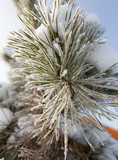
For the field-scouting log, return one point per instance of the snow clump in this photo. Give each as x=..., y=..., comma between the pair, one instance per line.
x=6, y=117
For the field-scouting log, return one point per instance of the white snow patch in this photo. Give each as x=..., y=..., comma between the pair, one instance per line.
x=49, y=2
x=41, y=31
x=104, y=57
x=61, y=12
x=64, y=73
x=11, y=139
x=24, y=124
x=6, y=116
x=92, y=17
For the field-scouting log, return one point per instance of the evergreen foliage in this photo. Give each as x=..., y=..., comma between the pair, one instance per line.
x=60, y=89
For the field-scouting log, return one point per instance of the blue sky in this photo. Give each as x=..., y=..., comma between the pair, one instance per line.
x=107, y=12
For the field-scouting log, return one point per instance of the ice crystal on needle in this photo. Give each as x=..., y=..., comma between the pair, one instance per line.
x=54, y=59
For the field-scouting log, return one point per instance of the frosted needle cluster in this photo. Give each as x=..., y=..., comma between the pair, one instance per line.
x=54, y=59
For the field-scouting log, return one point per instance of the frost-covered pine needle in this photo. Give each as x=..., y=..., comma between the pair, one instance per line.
x=55, y=57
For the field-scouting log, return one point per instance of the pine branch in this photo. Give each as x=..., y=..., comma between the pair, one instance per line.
x=55, y=63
